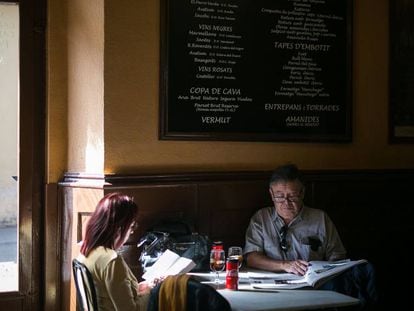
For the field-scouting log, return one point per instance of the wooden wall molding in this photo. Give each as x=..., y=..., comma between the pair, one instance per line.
x=111, y=180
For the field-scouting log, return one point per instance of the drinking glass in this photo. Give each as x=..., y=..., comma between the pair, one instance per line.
x=217, y=262
x=236, y=252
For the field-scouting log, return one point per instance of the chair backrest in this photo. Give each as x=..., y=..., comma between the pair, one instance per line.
x=85, y=288
x=200, y=297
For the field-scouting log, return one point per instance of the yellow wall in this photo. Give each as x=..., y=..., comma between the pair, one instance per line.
x=85, y=47
x=56, y=127
x=130, y=100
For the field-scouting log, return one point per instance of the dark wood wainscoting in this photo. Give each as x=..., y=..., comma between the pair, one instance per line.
x=371, y=209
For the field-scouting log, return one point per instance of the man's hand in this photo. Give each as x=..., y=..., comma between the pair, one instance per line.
x=260, y=261
x=298, y=267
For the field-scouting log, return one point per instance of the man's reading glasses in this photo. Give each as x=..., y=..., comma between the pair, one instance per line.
x=290, y=199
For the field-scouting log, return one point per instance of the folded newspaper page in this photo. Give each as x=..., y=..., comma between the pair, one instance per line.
x=318, y=273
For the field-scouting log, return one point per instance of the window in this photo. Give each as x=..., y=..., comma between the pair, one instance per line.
x=9, y=124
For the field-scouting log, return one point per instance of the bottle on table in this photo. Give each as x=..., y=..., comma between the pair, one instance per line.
x=217, y=245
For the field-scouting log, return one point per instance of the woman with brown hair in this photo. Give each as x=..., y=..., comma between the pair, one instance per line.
x=107, y=230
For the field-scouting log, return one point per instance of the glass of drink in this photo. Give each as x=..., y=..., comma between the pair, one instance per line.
x=236, y=252
x=217, y=262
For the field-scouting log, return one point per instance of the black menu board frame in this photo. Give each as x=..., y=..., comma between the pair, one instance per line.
x=256, y=70
x=401, y=102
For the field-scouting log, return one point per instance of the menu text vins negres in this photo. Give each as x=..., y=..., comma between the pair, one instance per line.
x=215, y=47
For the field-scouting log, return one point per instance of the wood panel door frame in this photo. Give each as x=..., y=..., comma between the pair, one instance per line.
x=31, y=158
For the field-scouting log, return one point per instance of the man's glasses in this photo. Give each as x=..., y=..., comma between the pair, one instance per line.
x=292, y=199
x=282, y=236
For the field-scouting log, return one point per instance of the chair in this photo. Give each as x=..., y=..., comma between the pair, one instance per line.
x=200, y=297
x=85, y=288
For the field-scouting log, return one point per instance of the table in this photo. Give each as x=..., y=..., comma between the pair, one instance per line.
x=248, y=299
x=295, y=299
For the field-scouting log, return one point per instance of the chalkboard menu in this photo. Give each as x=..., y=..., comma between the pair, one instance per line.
x=256, y=70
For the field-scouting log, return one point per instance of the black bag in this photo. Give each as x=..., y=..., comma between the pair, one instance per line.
x=177, y=237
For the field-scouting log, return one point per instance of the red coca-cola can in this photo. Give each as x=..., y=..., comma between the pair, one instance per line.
x=232, y=274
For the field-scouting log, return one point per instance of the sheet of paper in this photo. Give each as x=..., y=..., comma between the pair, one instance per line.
x=160, y=267
x=169, y=263
x=272, y=275
x=287, y=285
x=181, y=265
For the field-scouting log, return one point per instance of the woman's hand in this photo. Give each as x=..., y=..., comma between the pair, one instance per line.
x=157, y=281
x=144, y=288
x=298, y=267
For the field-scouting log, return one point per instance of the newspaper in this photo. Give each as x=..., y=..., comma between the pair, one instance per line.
x=318, y=273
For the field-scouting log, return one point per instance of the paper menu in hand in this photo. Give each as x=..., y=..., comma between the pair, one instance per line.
x=169, y=263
